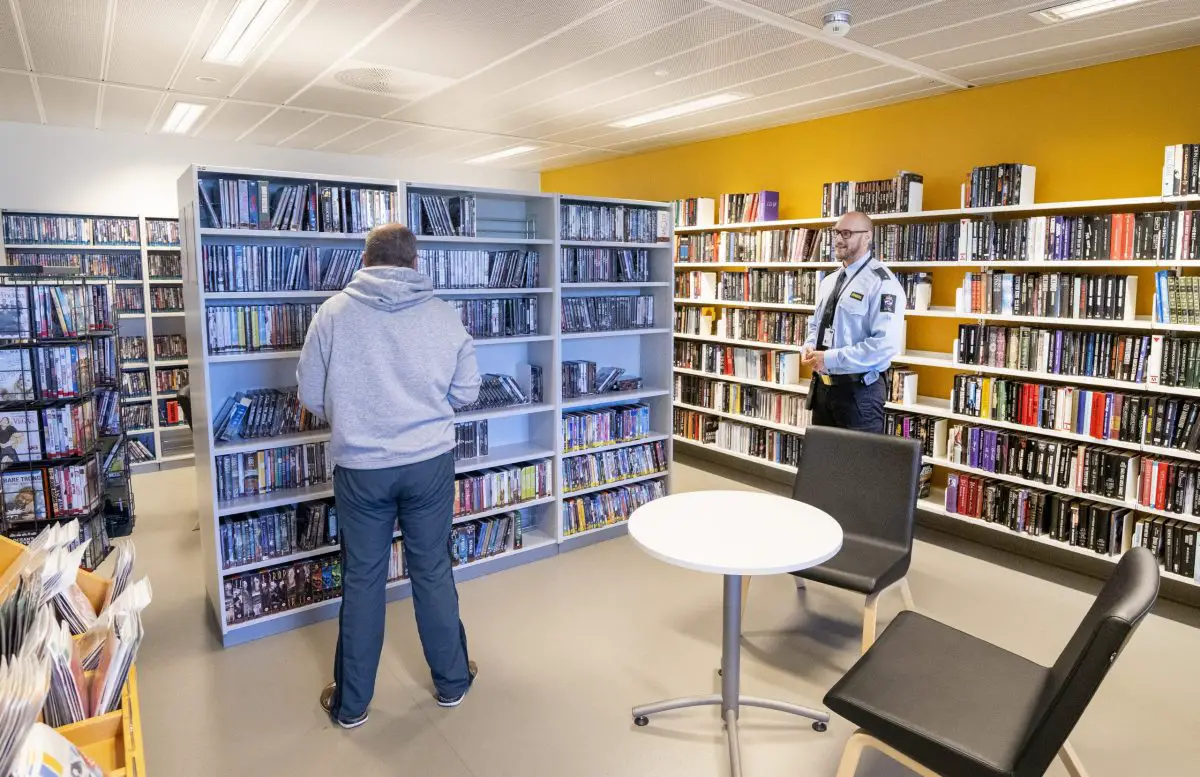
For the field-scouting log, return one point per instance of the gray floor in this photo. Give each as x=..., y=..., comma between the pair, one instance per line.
x=566, y=646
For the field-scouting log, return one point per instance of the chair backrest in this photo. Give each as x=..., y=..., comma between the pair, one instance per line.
x=867, y=482
x=1085, y=661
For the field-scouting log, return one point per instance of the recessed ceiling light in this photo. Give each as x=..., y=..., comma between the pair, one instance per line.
x=505, y=154
x=1079, y=9
x=182, y=117
x=208, y=79
x=682, y=109
x=245, y=28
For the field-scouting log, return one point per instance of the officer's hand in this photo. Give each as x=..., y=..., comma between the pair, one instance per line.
x=815, y=360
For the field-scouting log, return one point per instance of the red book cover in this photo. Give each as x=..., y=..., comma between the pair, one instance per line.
x=1116, y=241
x=1147, y=476
x=1129, y=235
x=1160, y=499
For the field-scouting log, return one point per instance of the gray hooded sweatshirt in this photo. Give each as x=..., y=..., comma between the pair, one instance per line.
x=386, y=362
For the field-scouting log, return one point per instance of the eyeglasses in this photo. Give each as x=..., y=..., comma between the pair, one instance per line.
x=845, y=234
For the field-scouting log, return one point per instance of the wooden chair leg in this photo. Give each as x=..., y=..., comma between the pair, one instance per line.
x=745, y=598
x=906, y=594
x=852, y=754
x=870, y=617
x=1071, y=760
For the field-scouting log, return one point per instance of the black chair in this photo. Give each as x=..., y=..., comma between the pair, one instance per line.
x=868, y=483
x=946, y=704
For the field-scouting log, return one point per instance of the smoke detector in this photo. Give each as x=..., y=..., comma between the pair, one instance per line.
x=837, y=23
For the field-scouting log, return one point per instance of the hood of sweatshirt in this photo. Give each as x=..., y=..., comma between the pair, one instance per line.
x=390, y=288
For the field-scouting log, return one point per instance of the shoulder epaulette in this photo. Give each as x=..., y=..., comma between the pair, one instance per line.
x=883, y=273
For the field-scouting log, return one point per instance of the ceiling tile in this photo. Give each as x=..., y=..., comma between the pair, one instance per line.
x=149, y=38
x=128, y=110
x=324, y=130
x=229, y=120
x=278, y=126
x=319, y=40
x=220, y=79
x=68, y=103
x=17, y=102
x=66, y=37
x=937, y=20
x=10, y=44
x=347, y=100
x=864, y=11
x=372, y=138
x=444, y=38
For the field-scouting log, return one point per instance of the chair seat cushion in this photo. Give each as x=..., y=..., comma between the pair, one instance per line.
x=862, y=565
x=954, y=703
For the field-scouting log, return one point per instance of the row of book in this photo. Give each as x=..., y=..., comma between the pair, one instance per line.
x=164, y=266
x=46, y=372
x=265, y=534
x=170, y=379
x=608, y=507
x=752, y=402
x=136, y=416
x=163, y=233
x=1173, y=543
x=230, y=203
x=614, y=223
x=604, y=265
x=914, y=284
x=751, y=326
x=901, y=194
x=794, y=244
x=1051, y=295
x=51, y=492
x=607, y=314
x=129, y=299
x=1079, y=523
x=117, y=266
x=498, y=317
x=782, y=367
x=1174, y=361
x=499, y=391
x=140, y=449
x=261, y=413
x=770, y=445
x=467, y=269
x=585, y=429
x=1109, y=355
x=581, y=378
x=272, y=469
x=261, y=268
x=1181, y=169
x=999, y=185
x=64, y=310
x=50, y=433
x=135, y=383
x=169, y=347
x=71, y=230
x=470, y=440
x=501, y=487
x=749, y=207
x=277, y=326
x=166, y=298
x=793, y=287
x=589, y=470
x=442, y=215
x=1176, y=298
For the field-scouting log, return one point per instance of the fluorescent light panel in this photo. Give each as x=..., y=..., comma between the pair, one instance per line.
x=1079, y=9
x=505, y=154
x=245, y=28
x=182, y=117
x=682, y=109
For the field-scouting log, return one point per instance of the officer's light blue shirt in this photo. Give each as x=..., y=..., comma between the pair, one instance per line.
x=868, y=325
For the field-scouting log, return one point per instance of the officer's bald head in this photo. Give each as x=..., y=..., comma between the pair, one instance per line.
x=852, y=236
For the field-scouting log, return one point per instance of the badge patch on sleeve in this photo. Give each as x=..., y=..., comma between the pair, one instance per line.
x=887, y=303
x=856, y=295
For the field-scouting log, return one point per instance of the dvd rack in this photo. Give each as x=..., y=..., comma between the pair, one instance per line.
x=494, y=255
x=141, y=255
x=1131, y=238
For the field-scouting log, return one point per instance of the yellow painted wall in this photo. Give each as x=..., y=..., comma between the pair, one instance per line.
x=1095, y=132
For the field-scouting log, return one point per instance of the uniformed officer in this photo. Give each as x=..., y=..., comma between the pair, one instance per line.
x=856, y=331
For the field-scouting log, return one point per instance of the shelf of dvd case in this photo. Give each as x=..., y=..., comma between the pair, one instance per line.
x=135, y=365
x=737, y=455
x=653, y=437
x=490, y=291
x=276, y=560
x=253, y=295
x=284, y=234
x=615, y=333
x=500, y=455
x=612, y=244
x=795, y=388
x=503, y=412
x=278, y=498
x=484, y=240
x=258, y=443
x=130, y=400
x=613, y=484
x=742, y=343
x=732, y=303
x=745, y=419
x=610, y=397
x=615, y=285
x=69, y=247
x=250, y=356
x=170, y=362
x=484, y=341
x=167, y=313
x=584, y=536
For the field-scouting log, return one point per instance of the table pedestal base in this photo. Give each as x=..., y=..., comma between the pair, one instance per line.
x=730, y=698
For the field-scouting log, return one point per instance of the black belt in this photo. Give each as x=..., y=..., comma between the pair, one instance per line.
x=841, y=380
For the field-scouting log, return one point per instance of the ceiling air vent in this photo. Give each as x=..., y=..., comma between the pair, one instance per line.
x=387, y=81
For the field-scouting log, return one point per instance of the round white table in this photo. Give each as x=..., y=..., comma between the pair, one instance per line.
x=734, y=533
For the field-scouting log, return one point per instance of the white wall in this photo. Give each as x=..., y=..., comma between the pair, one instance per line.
x=88, y=171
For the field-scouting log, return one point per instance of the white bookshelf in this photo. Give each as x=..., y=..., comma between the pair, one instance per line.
x=169, y=445
x=506, y=220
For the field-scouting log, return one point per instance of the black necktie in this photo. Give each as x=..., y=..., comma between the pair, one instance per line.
x=830, y=307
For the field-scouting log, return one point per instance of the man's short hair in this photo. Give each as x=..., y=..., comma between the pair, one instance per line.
x=392, y=245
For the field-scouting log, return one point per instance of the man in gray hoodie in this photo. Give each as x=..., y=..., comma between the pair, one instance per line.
x=386, y=363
